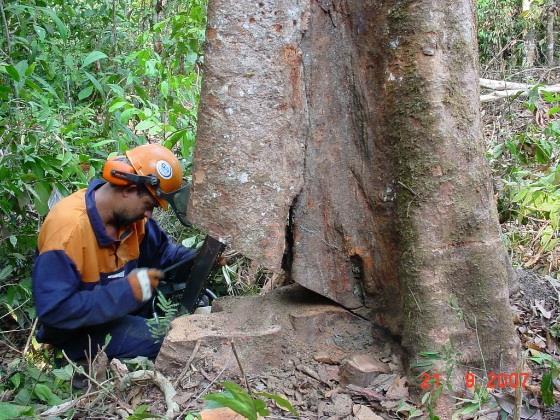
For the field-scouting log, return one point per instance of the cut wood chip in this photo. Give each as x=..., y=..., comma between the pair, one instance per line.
x=537, y=343
x=539, y=304
x=362, y=412
x=398, y=389
x=383, y=381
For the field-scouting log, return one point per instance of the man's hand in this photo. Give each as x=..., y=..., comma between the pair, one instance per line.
x=143, y=281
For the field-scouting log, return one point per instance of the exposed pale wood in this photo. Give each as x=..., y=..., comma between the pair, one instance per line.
x=502, y=94
x=502, y=84
x=60, y=409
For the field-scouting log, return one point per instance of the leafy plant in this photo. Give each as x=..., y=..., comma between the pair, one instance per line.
x=552, y=372
x=29, y=386
x=143, y=412
x=532, y=177
x=159, y=325
x=472, y=405
x=250, y=406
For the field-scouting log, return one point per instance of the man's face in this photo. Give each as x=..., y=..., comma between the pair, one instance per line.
x=135, y=206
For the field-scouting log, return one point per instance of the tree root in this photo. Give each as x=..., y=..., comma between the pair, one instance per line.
x=158, y=379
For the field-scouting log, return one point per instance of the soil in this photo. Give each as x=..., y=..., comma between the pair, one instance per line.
x=300, y=343
x=300, y=359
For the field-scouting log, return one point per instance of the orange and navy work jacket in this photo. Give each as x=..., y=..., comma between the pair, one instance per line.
x=79, y=276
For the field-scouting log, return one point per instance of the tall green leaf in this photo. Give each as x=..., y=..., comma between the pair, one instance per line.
x=14, y=411
x=547, y=389
x=92, y=57
x=62, y=29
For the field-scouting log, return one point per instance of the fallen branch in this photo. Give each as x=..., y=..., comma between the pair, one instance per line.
x=162, y=383
x=57, y=410
x=188, y=364
x=501, y=94
x=502, y=84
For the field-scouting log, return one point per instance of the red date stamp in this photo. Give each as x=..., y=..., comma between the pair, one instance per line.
x=495, y=380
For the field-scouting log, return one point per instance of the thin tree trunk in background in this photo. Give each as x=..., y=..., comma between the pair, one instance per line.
x=6, y=30
x=529, y=38
x=114, y=28
x=550, y=41
x=340, y=141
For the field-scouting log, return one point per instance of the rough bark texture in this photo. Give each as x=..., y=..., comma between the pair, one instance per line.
x=529, y=37
x=250, y=140
x=453, y=268
x=343, y=138
x=551, y=13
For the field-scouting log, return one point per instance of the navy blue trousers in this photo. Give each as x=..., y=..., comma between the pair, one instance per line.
x=130, y=337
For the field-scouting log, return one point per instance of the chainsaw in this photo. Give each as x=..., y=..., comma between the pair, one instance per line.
x=189, y=277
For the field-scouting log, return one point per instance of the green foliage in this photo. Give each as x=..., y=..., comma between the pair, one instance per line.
x=249, y=406
x=30, y=386
x=82, y=79
x=411, y=411
x=501, y=30
x=497, y=27
x=472, y=405
x=159, y=324
x=532, y=173
x=552, y=372
x=14, y=411
x=143, y=412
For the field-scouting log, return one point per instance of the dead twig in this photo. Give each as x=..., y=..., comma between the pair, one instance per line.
x=480, y=347
x=203, y=391
x=241, y=368
x=480, y=413
x=188, y=365
x=414, y=193
x=312, y=374
x=518, y=394
x=30, y=337
x=87, y=375
x=369, y=394
x=57, y=410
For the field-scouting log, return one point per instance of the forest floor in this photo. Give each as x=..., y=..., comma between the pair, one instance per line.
x=305, y=349
x=319, y=347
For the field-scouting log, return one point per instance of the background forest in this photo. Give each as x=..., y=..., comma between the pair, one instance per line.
x=80, y=79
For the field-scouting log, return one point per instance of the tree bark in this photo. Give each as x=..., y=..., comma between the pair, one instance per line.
x=551, y=12
x=340, y=141
x=529, y=37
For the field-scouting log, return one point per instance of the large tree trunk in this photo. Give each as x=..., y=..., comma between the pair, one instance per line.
x=340, y=141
